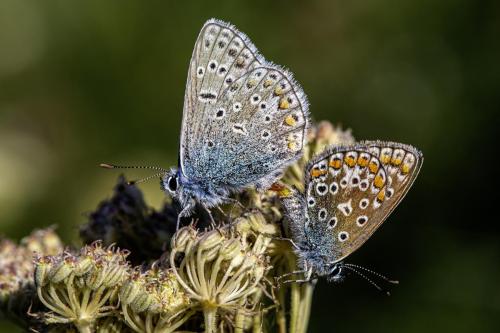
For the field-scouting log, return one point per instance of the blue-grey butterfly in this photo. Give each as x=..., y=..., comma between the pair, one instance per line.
x=349, y=192
x=244, y=121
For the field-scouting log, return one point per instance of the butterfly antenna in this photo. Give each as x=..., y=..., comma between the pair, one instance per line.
x=383, y=277
x=113, y=166
x=367, y=279
x=137, y=181
x=145, y=179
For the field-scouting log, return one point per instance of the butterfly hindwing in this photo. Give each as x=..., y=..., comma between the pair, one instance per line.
x=241, y=124
x=351, y=190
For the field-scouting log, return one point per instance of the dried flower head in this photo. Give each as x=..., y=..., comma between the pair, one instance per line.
x=221, y=269
x=78, y=289
x=16, y=272
x=154, y=301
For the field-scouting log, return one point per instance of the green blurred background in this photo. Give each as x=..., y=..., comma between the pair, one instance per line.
x=92, y=81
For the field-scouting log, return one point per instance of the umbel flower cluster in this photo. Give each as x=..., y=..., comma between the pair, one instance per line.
x=135, y=273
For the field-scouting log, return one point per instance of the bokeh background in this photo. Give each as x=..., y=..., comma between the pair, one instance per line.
x=92, y=81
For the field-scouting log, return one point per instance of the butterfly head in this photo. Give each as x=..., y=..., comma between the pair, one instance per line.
x=175, y=184
x=170, y=183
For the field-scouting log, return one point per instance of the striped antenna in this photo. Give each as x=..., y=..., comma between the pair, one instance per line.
x=137, y=181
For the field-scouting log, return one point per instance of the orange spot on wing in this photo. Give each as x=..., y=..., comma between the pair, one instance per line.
x=315, y=173
x=284, y=104
x=379, y=181
x=350, y=161
x=385, y=159
x=251, y=83
x=267, y=83
x=396, y=161
x=363, y=161
x=373, y=167
x=290, y=120
x=381, y=195
x=278, y=91
x=405, y=168
x=336, y=163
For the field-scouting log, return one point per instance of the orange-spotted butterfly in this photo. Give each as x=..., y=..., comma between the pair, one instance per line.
x=349, y=192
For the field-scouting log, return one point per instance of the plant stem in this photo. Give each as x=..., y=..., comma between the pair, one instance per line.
x=84, y=328
x=209, y=313
x=305, y=305
x=301, y=297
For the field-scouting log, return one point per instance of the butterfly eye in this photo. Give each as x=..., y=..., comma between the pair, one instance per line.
x=172, y=184
x=336, y=270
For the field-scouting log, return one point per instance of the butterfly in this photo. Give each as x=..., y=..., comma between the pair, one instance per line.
x=349, y=192
x=244, y=121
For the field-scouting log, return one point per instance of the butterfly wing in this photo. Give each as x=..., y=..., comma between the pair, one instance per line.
x=351, y=190
x=244, y=118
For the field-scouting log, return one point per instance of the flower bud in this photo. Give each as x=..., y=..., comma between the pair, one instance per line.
x=210, y=239
x=42, y=267
x=182, y=238
x=230, y=248
x=210, y=254
x=114, y=275
x=83, y=266
x=130, y=290
x=96, y=277
x=61, y=270
x=142, y=302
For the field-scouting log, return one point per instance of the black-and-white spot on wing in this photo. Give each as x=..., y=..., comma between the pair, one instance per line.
x=237, y=107
x=311, y=202
x=355, y=181
x=343, y=236
x=361, y=220
x=240, y=129
x=222, y=70
x=334, y=188
x=345, y=207
x=322, y=214
x=364, y=184
x=332, y=223
x=207, y=97
x=221, y=112
x=323, y=165
x=200, y=71
x=255, y=99
x=364, y=203
x=321, y=188
x=212, y=65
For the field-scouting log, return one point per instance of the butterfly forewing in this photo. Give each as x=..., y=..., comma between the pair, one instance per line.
x=217, y=61
x=244, y=118
x=351, y=190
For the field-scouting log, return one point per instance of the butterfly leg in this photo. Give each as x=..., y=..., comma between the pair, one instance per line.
x=212, y=221
x=306, y=279
x=288, y=274
x=184, y=212
x=235, y=203
x=288, y=240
